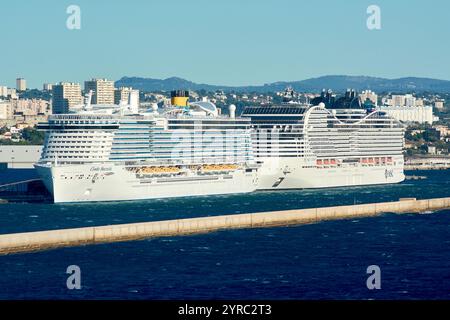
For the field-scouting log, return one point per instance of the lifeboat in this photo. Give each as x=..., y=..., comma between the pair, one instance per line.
x=219, y=167
x=159, y=170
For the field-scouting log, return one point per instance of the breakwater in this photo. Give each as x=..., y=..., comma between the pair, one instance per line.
x=31, y=241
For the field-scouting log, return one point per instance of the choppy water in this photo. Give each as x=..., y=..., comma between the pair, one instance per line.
x=322, y=261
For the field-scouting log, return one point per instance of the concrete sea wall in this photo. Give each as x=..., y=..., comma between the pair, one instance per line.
x=31, y=241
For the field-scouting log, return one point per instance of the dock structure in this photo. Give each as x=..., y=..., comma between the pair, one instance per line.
x=427, y=163
x=40, y=240
x=19, y=156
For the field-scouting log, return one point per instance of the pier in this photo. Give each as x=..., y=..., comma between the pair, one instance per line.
x=40, y=240
x=427, y=163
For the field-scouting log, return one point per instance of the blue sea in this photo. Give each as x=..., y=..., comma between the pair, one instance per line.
x=327, y=260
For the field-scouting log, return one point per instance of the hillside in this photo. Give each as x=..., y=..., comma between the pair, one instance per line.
x=336, y=83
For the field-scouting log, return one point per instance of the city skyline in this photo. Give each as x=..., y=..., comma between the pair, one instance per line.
x=46, y=85
x=223, y=43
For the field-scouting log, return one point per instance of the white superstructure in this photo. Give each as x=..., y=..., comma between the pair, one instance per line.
x=312, y=147
x=110, y=153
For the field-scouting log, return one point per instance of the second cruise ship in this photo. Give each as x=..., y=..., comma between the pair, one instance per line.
x=325, y=143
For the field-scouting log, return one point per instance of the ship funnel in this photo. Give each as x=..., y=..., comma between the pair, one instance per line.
x=179, y=98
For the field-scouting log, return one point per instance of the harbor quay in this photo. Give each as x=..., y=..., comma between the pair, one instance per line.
x=41, y=240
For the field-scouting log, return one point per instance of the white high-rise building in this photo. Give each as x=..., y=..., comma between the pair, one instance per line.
x=397, y=100
x=367, y=94
x=122, y=95
x=410, y=100
x=5, y=110
x=407, y=100
x=3, y=91
x=102, y=91
x=66, y=95
x=410, y=114
x=47, y=87
x=12, y=93
x=21, y=84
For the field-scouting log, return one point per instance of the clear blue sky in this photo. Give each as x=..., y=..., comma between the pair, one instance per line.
x=227, y=42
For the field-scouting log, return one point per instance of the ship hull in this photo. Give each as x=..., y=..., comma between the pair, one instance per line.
x=103, y=182
x=294, y=173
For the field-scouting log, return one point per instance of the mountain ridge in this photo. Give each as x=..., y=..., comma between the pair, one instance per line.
x=334, y=82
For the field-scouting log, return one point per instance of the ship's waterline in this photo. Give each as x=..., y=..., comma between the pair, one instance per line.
x=293, y=174
x=106, y=182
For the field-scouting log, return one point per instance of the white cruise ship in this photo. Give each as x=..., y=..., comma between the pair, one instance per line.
x=311, y=146
x=111, y=153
